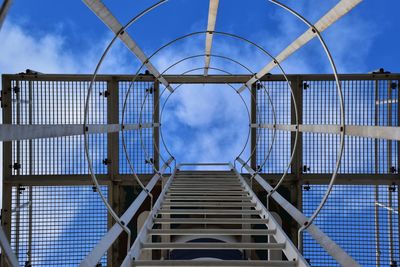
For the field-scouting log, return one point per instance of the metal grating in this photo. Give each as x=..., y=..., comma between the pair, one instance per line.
x=140, y=98
x=56, y=225
x=281, y=98
x=366, y=103
x=362, y=219
x=57, y=102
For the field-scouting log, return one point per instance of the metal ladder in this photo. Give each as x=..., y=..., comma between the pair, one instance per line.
x=211, y=218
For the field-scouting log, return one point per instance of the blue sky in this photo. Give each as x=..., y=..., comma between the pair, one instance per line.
x=66, y=37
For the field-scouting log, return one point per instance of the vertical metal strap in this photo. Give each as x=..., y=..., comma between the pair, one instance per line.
x=113, y=165
x=377, y=225
x=253, y=116
x=7, y=162
x=156, y=130
x=296, y=167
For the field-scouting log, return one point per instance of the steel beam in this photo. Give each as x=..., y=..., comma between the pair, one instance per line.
x=108, y=18
x=212, y=18
x=341, y=9
x=199, y=79
x=9, y=132
x=377, y=132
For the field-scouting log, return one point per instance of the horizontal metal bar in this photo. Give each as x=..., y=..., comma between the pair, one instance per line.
x=205, y=188
x=386, y=101
x=205, y=164
x=220, y=193
x=208, y=212
x=256, y=232
x=209, y=221
x=209, y=178
x=43, y=180
x=208, y=205
x=211, y=183
x=200, y=79
x=104, y=179
x=9, y=132
x=377, y=132
x=222, y=198
x=209, y=263
x=186, y=246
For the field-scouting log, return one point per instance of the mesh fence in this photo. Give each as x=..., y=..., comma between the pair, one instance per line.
x=57, y=102
x=366, y=103
x=273, y=96
x=56, y=225
x=139, y=109
x=362, y=219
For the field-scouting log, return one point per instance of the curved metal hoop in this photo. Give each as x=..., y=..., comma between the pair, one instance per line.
x=202, y=55
x=193, y=34
x=342, y=118
x=86, y=143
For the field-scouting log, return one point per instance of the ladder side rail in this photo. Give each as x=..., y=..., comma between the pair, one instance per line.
x=93, y=258
x=325, y=241
x=143, y=234
x=290, y=250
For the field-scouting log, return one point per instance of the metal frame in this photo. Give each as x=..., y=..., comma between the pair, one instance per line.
x=212, y=18
x=109, y=179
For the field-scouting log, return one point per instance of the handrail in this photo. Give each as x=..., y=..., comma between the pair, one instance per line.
x=328, y=244
x=134, y=251
x=109, y=238
x=7, y=250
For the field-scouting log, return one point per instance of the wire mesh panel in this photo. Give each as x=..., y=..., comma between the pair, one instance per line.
x=57, y=102
x=279, y=100
x=362, y=219
x=366, y=103
x=139, y=109
x=56, y=225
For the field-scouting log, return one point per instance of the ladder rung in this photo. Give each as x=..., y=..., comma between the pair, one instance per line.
x=220, y=193
x=219, y=188
x=209, y=263
x=202, y=178
x=206, y=178
x=219, y=198
x=209, y=221
x=209, y=211
x=212, y=204
x=252, y=246
x=255, y=232
x=205, y=183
